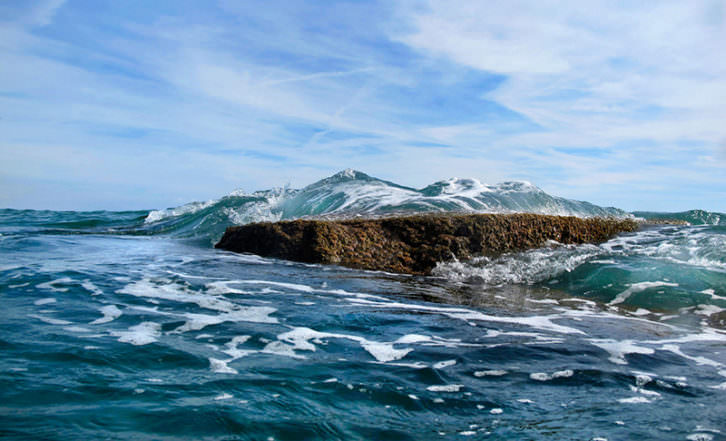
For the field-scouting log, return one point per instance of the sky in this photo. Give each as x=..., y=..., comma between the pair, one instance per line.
x=139, y=105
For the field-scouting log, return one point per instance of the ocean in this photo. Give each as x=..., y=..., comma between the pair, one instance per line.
x=130, y=325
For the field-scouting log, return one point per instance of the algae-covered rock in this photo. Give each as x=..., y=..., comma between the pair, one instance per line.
x=414, y=244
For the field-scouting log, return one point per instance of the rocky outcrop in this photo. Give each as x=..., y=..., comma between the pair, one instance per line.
x=414, y=244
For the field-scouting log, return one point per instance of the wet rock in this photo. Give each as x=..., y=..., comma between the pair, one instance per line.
x=414, y=244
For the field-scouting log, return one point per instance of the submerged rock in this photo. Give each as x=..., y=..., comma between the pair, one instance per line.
x=414, y=244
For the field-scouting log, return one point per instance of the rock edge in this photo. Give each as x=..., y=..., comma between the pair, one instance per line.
x=414, y=244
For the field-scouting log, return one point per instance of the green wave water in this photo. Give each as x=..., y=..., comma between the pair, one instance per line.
x=693, y=217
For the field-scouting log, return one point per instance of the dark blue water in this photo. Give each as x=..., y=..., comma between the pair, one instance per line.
x=115, y=327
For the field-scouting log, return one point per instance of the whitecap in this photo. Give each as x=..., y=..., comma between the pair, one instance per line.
x=220, y=366
x=445, y=388
x=142, y=334
x=541, y=376
x=110, y=313
x=444, y=364
x=490, y=373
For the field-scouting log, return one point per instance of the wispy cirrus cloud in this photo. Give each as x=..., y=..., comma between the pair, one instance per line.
x=165, y=103
x=594, y=74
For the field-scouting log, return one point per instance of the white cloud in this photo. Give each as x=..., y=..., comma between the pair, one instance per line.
x=598, y=70
x=634, y=79
x=595, y=98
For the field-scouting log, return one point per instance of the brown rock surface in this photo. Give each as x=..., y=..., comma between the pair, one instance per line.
x=413, y=244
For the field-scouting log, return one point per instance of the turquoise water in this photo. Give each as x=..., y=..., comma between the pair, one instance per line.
x=131, y=326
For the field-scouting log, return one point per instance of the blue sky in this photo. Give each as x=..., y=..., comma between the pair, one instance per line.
x=138, y=104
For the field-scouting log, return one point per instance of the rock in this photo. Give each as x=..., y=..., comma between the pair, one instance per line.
x=414, y=244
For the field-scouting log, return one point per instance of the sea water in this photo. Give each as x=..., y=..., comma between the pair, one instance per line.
x=129, y=325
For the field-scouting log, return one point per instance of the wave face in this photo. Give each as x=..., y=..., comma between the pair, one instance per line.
x=351, y=193
x=345, y=194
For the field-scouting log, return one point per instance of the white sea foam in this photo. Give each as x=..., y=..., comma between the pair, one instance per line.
x=541, y=376
x=539, y=322
x=445, y=388
x=496, y=411
x=302, y=339
x=699, y=437
x=142, y=334
x=711, y=292
x=384, y=352
x=232, y=347
x=50, y=320
x=291, y=286
x=699, y=360
x=309, y=289
x=45, y=301
x=220, y=366
x=173, y=291
x=619, y=349
x=642, y=391
x=490, y=373
x=634, y=400
x=51, y=285
x=642, y=379
x=444, y=364
x=223, y=287
x=250, y=314
x=93, y=289
x=110, y=313
x=515, y=268
x=638, y=287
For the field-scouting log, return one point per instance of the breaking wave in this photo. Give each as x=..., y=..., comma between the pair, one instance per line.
x=346, y=194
